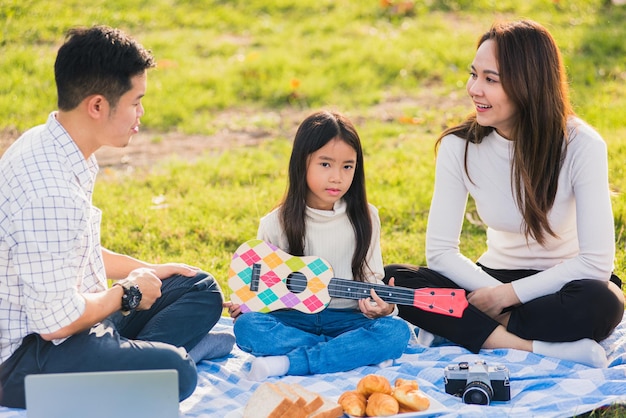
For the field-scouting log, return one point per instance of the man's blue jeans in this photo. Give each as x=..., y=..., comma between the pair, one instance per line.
x=332, y=340
x=144, y=340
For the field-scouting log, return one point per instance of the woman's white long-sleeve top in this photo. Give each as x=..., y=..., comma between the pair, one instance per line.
x=581, y=216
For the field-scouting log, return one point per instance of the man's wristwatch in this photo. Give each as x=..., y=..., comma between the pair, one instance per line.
x=131, y=296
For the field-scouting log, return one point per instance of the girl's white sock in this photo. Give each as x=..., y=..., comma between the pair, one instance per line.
x=425, y=338
x=264, y=367
x=585, y=351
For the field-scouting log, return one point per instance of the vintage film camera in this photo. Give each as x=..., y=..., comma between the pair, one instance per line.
x=477, y=383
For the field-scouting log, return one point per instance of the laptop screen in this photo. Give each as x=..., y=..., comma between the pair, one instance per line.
x=129, y=393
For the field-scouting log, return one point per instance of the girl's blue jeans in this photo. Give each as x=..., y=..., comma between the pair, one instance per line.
x=332, y=340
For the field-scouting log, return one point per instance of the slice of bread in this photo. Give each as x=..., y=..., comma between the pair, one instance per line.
x=312, y=400
x=283, y=400
x=291, y=394
x=267, y=401
x=294, y=411
x=330, y=409
x=297, y=408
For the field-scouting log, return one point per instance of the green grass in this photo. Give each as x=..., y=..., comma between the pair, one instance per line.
x=254, y=56
x=310, y=53
x=248, y=57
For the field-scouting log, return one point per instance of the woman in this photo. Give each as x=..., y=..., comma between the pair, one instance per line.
x=538, y=175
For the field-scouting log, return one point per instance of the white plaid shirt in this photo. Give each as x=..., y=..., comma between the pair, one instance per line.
x=49, y=235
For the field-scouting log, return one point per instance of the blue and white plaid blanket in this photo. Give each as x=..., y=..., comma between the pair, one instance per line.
x=540, y=386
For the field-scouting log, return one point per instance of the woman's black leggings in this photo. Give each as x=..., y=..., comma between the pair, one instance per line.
x=581, y=309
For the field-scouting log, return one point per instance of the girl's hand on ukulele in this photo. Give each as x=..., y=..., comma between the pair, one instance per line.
x=374, y=306
x=234, y=310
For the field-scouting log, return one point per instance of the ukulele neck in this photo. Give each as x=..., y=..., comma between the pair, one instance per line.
x=350, y=289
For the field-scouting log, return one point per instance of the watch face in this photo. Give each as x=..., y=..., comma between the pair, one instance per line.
x=134, y=297
x=131, y=299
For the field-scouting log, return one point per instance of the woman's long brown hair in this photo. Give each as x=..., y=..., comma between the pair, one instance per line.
x=533, y=77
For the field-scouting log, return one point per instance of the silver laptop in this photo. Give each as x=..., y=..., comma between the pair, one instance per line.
x=132, y=393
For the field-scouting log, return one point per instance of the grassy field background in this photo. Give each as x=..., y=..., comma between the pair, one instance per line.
x=396, y=68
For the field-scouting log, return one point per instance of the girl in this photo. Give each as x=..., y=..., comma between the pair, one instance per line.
x=325, y=213
x=539, y=178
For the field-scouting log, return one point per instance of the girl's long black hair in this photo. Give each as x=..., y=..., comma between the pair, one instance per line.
x=313, y=133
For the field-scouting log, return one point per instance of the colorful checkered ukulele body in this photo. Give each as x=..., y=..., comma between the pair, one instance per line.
x=263, y=278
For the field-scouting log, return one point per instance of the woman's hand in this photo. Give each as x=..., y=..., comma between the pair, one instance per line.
x=374, y=306
x=493, y=300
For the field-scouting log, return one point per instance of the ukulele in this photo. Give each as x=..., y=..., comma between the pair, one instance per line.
x=263, y=278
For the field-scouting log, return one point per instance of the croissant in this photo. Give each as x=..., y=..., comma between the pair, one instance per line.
x=373, y=383
x=409, y=399
x=381, y=405
x=404, y=382
x=353, y=403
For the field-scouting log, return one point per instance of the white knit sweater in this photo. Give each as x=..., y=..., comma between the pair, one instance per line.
x=329, y=235
x=581, y=215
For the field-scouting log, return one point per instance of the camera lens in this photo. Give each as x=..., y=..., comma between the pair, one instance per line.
x=478, y=393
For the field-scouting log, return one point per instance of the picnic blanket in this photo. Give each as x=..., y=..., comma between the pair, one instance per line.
x=540, y=386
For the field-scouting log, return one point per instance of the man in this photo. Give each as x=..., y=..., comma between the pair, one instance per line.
x=57, y=313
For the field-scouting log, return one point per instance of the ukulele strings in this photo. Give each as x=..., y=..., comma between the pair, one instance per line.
x=360, y=290
x=424, y=299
